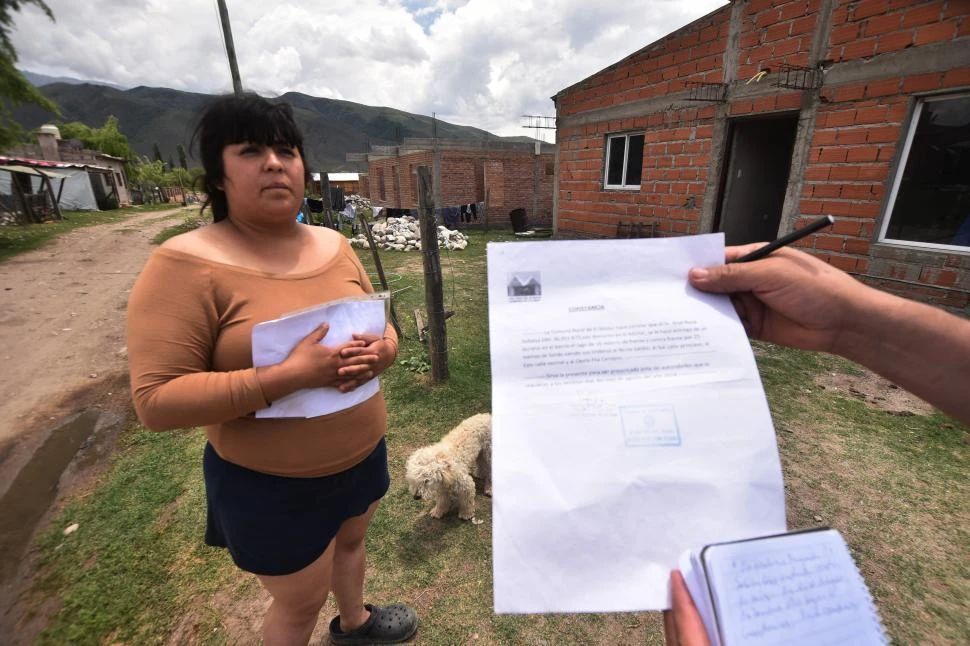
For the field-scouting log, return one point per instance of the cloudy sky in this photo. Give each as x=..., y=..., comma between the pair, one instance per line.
x=482, y=63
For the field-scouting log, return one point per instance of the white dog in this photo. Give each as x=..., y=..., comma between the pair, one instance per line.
x=443, y=472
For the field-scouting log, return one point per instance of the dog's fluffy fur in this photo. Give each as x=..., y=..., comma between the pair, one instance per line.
x=443, y=472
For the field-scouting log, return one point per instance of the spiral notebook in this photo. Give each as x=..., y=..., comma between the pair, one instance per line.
x=795, y=588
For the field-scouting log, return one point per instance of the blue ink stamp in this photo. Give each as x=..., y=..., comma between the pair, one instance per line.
x=654, y=425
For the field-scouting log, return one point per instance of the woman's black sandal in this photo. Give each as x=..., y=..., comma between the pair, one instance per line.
x=386, y=625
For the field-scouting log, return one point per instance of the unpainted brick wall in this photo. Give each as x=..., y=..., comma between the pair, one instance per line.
x=676, y=158
x=694, y=53
x=853, y=147
x=776, y=33
x=869, y=27
x=514, y=178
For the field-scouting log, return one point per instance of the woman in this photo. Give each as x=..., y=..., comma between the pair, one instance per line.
x=289, y=498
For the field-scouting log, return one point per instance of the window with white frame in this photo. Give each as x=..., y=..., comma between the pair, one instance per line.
x=624, y=161
x=929, y=204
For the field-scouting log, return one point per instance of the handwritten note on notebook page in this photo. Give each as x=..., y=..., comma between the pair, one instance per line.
x=800, y=588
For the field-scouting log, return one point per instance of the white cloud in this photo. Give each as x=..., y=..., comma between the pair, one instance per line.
x=474, y=62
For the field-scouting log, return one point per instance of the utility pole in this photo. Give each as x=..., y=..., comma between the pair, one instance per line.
x=230, y=48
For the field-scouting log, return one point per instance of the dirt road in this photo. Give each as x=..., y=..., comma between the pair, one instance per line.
x=62, y=313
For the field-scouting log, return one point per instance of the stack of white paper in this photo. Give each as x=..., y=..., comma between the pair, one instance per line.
x=274, y=340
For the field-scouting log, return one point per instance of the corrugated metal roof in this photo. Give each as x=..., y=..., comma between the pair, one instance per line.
x=45, y=163
x=29, y=170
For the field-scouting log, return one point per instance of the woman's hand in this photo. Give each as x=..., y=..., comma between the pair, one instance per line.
x=377, y=353
x=683, y=625
x=326, y=365
x=313, y=365
x=789, y=298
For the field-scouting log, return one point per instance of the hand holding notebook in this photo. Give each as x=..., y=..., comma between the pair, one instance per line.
x=794, y=588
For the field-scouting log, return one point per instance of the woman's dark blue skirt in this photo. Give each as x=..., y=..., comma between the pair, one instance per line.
x=273, y=525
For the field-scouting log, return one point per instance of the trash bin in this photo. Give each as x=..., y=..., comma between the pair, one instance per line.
x=519, y=222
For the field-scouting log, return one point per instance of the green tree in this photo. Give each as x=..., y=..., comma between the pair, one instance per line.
x=76, y=130
x=14, y=88
x=183, y=161
x=156, y=152
x=110, y=140
x=147, y=174
x=107, y=139
x=179, y=177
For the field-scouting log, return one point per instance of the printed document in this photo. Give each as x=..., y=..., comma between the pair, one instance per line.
x=629, y=422
x=274, y=340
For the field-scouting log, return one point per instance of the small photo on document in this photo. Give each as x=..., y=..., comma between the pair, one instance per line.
x=524, y=286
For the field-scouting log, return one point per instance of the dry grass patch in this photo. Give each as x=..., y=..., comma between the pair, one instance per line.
x=893, y=485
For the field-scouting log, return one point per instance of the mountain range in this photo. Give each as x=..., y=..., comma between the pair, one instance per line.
x=42, y=79
x=152, y=115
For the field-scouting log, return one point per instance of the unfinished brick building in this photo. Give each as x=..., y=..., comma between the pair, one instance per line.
x=512, y=174
x=764, y=115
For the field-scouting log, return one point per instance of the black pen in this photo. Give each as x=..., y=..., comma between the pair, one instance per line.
x=798, y=234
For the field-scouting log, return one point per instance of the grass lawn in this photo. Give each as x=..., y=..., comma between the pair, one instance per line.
x=16, y=239
x=136, y=571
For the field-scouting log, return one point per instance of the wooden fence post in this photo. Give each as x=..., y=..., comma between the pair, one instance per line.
x=380, y=272
x=485, y=210
x=433, y=294
x=328, y=220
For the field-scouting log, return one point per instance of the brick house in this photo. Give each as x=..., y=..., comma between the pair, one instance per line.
x=513, y=174
x=764, y=115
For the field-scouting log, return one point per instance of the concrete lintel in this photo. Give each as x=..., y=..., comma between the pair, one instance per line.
x=410, y=150
x=411, y=144
x=897, y=252
x=927, y=59
x=676, y=101
x=765, y=87
x=632, y=110
x=357, y=157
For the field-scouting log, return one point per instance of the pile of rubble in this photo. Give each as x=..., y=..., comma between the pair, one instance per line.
x=358, y=201
x=404, y=234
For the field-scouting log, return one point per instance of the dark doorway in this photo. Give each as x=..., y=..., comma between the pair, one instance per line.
x=753, y=190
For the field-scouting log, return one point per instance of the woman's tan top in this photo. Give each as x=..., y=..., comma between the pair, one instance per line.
x=190, y=324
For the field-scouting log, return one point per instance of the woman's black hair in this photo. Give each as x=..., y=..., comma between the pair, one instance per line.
x=232, y=119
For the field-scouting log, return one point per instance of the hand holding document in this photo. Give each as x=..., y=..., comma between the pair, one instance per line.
x=629, y=422
x=274, y=340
